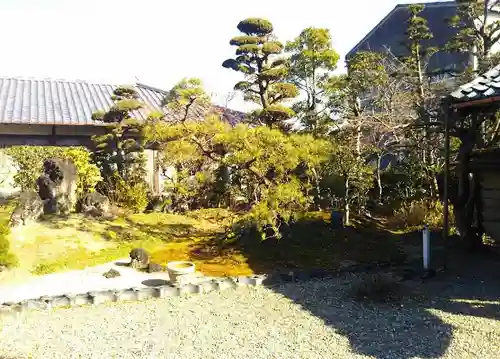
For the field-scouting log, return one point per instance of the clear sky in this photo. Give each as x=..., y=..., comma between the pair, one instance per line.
x=160, y=41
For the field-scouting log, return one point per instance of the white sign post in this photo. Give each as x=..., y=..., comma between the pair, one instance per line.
x=426, y=248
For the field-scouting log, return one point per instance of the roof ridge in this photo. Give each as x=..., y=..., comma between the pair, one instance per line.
x=390, y=13
x=90, y=82
x=140, y=84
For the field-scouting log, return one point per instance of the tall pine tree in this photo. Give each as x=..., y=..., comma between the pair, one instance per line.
x=258, y=58
x=312, y=59
x=120, y=150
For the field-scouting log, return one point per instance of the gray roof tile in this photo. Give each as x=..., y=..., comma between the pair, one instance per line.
x=482, y=87
x=60, y=102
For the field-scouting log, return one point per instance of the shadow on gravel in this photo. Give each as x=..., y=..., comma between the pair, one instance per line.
x=406, y=328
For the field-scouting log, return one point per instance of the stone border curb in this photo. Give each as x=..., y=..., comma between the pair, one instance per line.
x=166, y=291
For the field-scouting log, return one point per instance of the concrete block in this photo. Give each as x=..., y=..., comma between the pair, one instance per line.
x=46, y=302
x=81, y=299
x=98, y=297
x=209, y=286
x=190, y=289
x=125, y=295
x=60, y=301
x=146, y=293
x=166, y=291
x=225, y=283
x=32, y=304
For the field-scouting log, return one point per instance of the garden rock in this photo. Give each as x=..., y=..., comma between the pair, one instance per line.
x=95, y=204
x=139, y=258
x=29, y=208
x=57, y=186
x=112, y=273
x=155, y=267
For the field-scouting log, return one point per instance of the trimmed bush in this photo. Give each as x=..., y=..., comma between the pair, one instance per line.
x=29, y=160
x=7, y=259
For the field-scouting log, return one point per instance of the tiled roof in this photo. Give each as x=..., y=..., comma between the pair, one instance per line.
x=389, y=33
x=61, y=102
x=482, y=87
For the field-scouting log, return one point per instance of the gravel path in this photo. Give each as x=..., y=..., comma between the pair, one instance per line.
x=310, y=320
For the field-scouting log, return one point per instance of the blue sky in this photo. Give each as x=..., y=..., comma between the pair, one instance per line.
x=160, y=41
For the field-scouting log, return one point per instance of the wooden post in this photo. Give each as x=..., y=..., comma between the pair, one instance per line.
x=446, y=179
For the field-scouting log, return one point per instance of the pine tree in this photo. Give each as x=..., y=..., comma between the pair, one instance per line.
x=311, y=62
x=477, y=32
x=258, y=58
x=120, y=150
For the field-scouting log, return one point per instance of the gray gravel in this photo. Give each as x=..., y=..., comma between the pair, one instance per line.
x=316, y=319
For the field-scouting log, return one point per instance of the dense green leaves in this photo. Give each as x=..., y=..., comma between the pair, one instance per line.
x=119, y=153
x=29, y=161
x=257, y=57
x=312, y=59
x=478, y=30
x=255, y=26
x=267, y=170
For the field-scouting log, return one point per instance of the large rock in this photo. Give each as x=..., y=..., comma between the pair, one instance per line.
x=57, y=186
x=29, y=208
x=95, y=204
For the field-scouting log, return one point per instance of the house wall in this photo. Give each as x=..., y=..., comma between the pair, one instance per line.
x=490, y=195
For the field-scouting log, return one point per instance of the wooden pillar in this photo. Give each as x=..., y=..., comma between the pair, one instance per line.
x=449, y=113
x=53, y=136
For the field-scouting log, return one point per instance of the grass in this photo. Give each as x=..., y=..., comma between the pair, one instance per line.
x=77, y=242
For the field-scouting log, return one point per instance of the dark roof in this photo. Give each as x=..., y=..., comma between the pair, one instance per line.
x=482, y=87
x=389, y=33
x=60, y=102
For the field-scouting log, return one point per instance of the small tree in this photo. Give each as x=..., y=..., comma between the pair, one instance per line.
x=121, y=149
x=119, y=153
x=346, y=175
x=477, y=32
x=184, y=95
x=257, y=57
x=312, y=59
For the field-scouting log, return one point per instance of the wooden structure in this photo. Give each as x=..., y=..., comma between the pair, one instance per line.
x=476, y=191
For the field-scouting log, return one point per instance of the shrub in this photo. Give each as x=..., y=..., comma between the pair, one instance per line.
x=7, y=258
x=29, y=160
x=419, y=213
x=132, y=196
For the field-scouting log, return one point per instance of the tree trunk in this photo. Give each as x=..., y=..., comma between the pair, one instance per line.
x=358, y=141
x=379, y=179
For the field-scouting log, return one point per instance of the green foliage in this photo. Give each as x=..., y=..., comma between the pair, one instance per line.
x=130, y=195
x=477, y=32
x=121, y=149
x=7, y=258
x=184, y=94
x=419, y=213
x=312, y=59
x=29, y=160
x=346, y=179
x=256, y=27
x=258, y=57
x=269, y=171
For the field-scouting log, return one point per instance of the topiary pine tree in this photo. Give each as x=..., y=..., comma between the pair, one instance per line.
x=257, y=56
x=120, y=149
